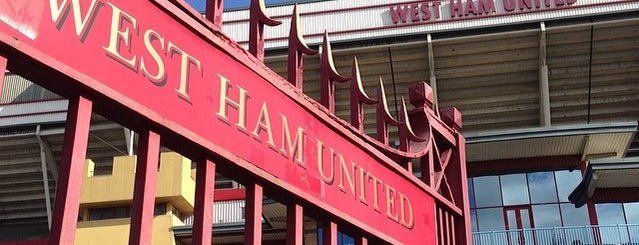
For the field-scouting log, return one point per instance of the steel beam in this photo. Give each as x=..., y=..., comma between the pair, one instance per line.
x=69, y=186
x=253, y=226
x=203, y=213
x=544, y=91
x=431, y=68
x=45, y=175
x=294, y=224
x=144, y=189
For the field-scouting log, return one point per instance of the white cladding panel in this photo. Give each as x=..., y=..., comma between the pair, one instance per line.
x=366, y=19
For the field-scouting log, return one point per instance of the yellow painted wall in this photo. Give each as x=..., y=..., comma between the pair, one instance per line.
x=116, y=231
x=174, y=183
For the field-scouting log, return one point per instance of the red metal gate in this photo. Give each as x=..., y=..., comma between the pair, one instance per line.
x=161, y=69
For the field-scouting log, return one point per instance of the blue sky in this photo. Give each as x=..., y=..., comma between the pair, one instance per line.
x=199, y=4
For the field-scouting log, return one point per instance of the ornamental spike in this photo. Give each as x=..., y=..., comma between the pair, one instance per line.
x=383, y=115
x=358, y=97
x=214, y=10
x=296, y=49
x=328, y=76
x=258, y=19
x=406, y=133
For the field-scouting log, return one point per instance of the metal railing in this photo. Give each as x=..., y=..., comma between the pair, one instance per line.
x=575, y=235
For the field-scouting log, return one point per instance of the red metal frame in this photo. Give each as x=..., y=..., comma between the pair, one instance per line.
x=3, y=68
x=204, y=197
x=294, y=224
x=141, y=231
x=155, y=82
x=70, y=172
x=253, y=211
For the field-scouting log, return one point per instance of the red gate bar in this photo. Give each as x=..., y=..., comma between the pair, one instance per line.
x=3, y=68
x=361, y=241
x=203, y=213
x=294, y=224
x=69, y=187
x=144, y=190
x=329, y=233
x=253, y=209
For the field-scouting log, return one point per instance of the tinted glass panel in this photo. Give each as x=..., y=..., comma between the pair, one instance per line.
x=542, y=187
x=632, y=212
x=490, y=219
x=610, y=213
x=471, y=193
x=487, y=193
x=546, y=215
x=512, y=220
x=574, y=216
x=514, y=189
x=566, y=183
x=473, y=220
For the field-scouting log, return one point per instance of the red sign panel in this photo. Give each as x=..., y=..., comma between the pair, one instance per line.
x=172, y=70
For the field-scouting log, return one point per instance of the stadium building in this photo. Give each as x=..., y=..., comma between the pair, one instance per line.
x=548, y=90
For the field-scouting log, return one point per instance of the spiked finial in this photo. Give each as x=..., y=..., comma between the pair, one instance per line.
x=214, y=9
x=296, y=48
x=358, y=97
x=328, y=76
x=256, y=24
x=406, y=133
x=383, y=115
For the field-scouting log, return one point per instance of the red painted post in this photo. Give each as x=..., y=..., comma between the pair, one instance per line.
x=204, y=191
x=257, y=21
x=3, y=68
x=294, y=224
x=69, y=188
x=329, y=233
x=253, y=208
x=214, y=10
x=144, y=189
x=361, y=241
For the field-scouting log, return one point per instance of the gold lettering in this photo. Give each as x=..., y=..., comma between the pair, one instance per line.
x=376, y=182
x=320, y=163
x=82, y=25
x=362, y=182
x=345, y=172
x=264, y=122
x=160, y=77
x=390, y=203
x=185, y=68
x=226, y=101
x=295, y=148
x=118, y=37
x=406, y=210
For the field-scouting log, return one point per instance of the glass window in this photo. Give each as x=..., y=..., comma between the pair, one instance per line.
x=487, y=193
x=121, y=212
x=610, y=213
x=566, y=183
x=471, y=193
x=546, y=215
x=473, y=220
x=160, y=209
x=490, y=219
x=632, y=212
x=542, y=187
x=574, y=216
x=514, y=189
